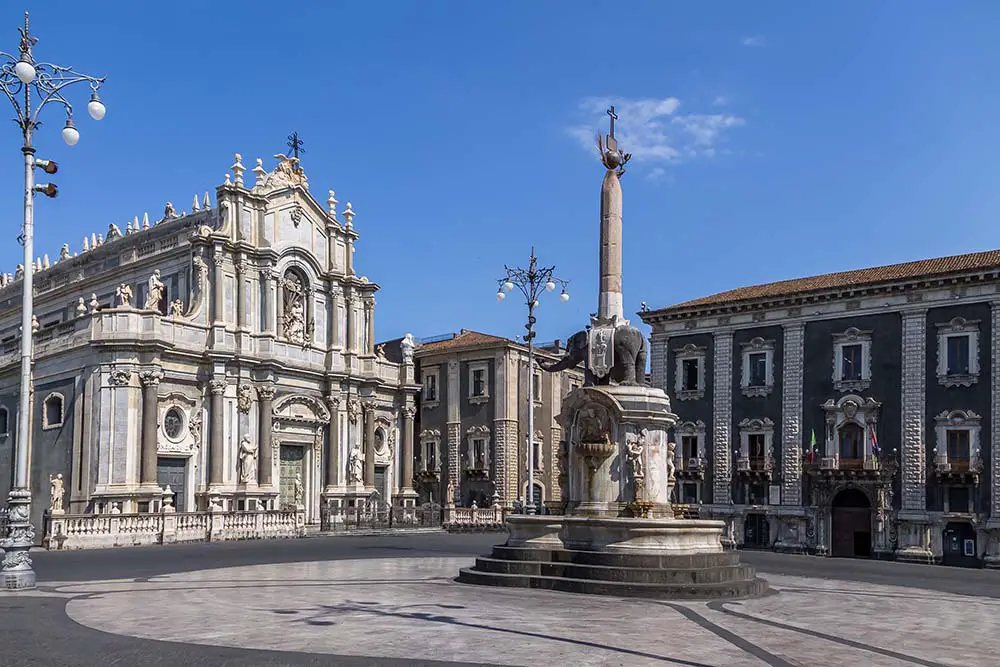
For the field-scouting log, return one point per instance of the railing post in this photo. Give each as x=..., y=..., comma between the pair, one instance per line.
x=215, y=523
x=259, y=523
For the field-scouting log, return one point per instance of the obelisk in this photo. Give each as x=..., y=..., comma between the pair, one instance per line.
x=610, y=310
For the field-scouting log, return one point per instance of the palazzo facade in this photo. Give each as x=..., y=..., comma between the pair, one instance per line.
x=472, y=432
x=227, y=352
x=850, y=414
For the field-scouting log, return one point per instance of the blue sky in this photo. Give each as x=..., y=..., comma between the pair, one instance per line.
x=771, y=139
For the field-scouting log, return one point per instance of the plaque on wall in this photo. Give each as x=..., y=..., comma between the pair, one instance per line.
x=774, y=495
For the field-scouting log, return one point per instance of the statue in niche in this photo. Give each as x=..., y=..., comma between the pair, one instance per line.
x=354, y=465
x=155, y=291
x=407, y=345
x=294, y=320
x=124, y=294
x=297, y=490
x=247, y=461
x=56, y=491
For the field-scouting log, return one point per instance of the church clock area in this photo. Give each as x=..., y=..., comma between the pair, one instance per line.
x=214, y=361
x=851, y=414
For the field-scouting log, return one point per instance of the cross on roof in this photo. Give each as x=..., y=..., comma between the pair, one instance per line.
x=295, y=144
x=614, y=117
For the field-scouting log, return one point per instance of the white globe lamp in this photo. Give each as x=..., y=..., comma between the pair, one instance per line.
x=95, y=107
x=25, y=71
x=70, y=134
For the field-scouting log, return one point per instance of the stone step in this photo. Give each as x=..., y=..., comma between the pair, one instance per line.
x=705, y=591
x=620, y=559
x=612, y=573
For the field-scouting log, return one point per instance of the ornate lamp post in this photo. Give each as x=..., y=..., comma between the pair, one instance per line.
x=532, y=282
x=29, y=86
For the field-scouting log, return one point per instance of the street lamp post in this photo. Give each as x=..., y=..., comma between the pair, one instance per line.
x=19, y=76
x=531, y=281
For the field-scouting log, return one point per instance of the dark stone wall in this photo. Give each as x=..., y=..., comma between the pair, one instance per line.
x=976, y=398
x=886, y=383
x=7, y=444
x=761, y=406
x=435, y=417
x=693, y=410
x=51, y=448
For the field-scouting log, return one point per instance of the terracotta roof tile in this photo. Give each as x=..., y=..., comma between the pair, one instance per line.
x=462, y=340
x=989, y=259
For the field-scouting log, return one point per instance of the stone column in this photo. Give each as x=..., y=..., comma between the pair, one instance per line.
x=722, y=418
x=791, y=414
x=218, y=289
x=218, y=406
x=407, y=455
x=333, y=456
x=370, y=324
x=265, y=416
x=150, y=381
x=370, y=444
x=609, y=306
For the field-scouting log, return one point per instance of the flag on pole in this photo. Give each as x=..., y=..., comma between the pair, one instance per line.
x=875, y=447
x=812, y=446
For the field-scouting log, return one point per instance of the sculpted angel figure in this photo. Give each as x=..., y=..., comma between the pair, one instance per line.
x=635, y=447
x=247, y=461
x=124, y=293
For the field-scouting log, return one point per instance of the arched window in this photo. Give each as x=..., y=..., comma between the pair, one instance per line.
x=52, y=411
x=852, y=442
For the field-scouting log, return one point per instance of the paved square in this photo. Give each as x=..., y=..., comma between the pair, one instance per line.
x=411, y=608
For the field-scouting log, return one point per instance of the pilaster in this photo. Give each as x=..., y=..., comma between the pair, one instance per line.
x=995, y=414
x=722, y=418
x=454, y=424
x=791, y=414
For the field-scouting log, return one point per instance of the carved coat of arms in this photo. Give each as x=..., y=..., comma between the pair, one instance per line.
x=602, y=350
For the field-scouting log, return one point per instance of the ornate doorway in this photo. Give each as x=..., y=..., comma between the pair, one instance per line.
x=173, y=471
x=292, y=465
x=851, y=529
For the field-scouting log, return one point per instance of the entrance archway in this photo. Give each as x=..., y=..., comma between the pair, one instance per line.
x=959, y=545
x=851, y=525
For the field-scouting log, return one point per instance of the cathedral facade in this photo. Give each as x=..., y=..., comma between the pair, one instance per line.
x=227, y=352
x=850, y=414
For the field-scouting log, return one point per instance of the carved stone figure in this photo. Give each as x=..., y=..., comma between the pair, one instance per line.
x=297, y=490
x=19, y=272
x=450, y=500
x=155, y=289
x=247, y=461
x=176, y=308
x=355, y=465
x=671, y=465
x=634, y=445
x=114, y=232
x=592, y=424
x=169, y=211
x=628, y=346
x=64, y=252
x=81, y=307
x=194, y=426
x=407, y=345
x=56, y=491
x=294, y=320
x=244, y=398
x=380, y=351
x=124, y=294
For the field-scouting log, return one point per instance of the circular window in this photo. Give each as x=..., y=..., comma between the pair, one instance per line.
x=173, y=423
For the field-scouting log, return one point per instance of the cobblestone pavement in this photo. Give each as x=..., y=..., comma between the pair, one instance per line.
x=411, y=609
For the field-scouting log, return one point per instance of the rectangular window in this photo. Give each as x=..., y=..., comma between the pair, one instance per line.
x=536, y=386
x=430, y=388
x=479, y=453
x=689, y=494
x=430, y=456
x=689, y=447
x=758, y=369
x=537, y=455
x=756, y=444
x=689, y=368
x=958, y=445
x=958, y=355
x=852, y=445
x=479, y=382
x=851, y=368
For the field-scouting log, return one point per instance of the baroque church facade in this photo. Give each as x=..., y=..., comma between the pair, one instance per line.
x=849, y=414
x=227, y=352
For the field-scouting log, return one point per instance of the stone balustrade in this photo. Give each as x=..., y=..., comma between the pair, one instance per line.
x=95, y=531
x=461, y=519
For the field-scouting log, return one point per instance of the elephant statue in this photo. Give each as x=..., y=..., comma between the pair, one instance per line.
x=629, y=367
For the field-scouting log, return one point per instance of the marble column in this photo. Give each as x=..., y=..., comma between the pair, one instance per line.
x=218, y=289
x=218, y=433
x=370, y=444
x=265, y=407
x=407, y=454
x=609, y=306
x=150, y=381
x=370, y=324
x=333, y=455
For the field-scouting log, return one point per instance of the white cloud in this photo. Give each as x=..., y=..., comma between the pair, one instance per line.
x=754, y=40
x=720, y=101
x=656, y=174
x=653, y=131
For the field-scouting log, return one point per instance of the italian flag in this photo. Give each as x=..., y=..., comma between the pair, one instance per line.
x=812, y=445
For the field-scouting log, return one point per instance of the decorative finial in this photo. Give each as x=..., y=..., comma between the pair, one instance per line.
x=129, y=229
x=95, y=305
x=259, y=174
x=93, y=241
x=81, y=307
x=611, y=156
x=228, y=182
x=86, y=244
x=206, y=203
x=195, y=206
x=145, y=220
x=238, y=170
x=349, y=216
x=45, y=261
x=331, y=204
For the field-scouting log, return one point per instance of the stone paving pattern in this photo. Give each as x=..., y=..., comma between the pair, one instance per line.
x=410, y=608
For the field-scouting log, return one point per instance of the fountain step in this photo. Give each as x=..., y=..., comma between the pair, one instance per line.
x=704, y=575
x=618, y=559
x=674, y=591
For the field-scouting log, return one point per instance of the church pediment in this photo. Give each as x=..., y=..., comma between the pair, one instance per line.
x=301, y=409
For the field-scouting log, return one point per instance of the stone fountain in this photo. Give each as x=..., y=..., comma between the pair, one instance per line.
x=618, y=535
